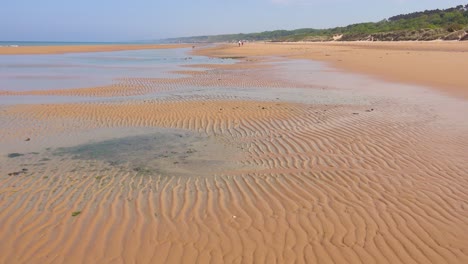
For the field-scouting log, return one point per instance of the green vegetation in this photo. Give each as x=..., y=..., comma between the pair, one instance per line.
x=76, y=213
x=448, y=24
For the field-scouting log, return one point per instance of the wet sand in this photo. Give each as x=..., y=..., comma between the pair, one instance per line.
x=263, y=161
x=441, y=65
x=22, y=50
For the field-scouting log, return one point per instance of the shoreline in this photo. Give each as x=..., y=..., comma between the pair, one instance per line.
x=439, y=65
x=36, y=50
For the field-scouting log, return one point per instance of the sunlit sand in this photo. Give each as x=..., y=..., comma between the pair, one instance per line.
x=270, y=158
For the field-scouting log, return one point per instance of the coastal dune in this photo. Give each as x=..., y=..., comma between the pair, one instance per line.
x=380, y=180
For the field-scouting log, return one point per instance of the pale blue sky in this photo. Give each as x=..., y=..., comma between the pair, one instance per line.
x=127, y=20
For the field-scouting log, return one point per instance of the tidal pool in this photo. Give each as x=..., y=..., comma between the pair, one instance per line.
x=167, y=152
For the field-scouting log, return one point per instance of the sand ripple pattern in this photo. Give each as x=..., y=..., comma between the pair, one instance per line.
x=333, y=188
x=328, y=184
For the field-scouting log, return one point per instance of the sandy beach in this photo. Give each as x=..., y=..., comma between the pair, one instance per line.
x=7, y=50
x=293, y=153
x=440, y=64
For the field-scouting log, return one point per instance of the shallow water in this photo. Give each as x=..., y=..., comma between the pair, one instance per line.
x=161, y=152
x=166, y=152
x=79, y=70
x=45, y=72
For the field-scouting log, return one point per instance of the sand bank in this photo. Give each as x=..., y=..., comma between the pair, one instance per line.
x=78, y=49
x=441, y=65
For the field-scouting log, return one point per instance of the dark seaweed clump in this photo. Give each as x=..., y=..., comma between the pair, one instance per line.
x=15, y=155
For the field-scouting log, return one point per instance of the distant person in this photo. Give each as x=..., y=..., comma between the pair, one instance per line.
x=239, y=43
x=242, y=43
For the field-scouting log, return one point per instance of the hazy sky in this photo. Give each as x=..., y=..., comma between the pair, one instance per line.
x=126, y=20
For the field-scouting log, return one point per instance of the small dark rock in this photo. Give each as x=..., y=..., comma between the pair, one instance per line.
x=190, y=151
x=28, y=139
x=16, y=173
x=15, y=155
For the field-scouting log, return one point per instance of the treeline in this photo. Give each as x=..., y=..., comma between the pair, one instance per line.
x=451, y=23
x=429, y=13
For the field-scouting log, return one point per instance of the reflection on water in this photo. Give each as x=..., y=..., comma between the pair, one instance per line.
x=78, y=70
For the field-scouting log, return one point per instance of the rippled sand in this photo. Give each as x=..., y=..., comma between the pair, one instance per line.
x=214, y=173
